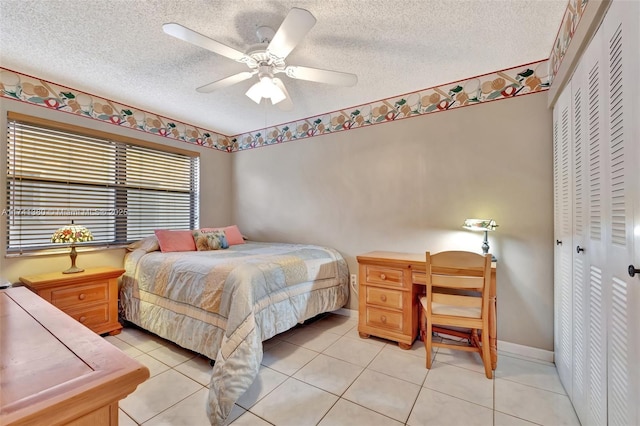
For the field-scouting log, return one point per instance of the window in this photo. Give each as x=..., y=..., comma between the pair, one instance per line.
x=121, y=191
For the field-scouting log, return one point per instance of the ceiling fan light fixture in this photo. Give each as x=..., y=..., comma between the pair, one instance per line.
x=277, y=95
x=255, y=93
x=266, y=88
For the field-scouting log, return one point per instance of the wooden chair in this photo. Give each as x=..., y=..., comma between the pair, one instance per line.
x=457, y=296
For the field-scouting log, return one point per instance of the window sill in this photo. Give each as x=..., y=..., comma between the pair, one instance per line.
x=65, y=250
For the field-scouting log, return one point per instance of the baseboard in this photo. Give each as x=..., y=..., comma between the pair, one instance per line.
x=525, y=351
x=351, y=313
x=512, y=348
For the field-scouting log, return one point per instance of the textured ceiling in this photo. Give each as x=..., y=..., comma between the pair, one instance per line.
x=116, y=49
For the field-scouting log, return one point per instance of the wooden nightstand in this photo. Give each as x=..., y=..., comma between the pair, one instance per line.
x=90, y=297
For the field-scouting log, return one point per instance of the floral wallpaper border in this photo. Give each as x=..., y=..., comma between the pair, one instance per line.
x=504, y=84
x=571, y=19
x=25, y=88
x=517, y=81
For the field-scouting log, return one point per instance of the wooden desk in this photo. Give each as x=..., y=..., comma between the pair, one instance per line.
x=389, y=286
x=54, y=370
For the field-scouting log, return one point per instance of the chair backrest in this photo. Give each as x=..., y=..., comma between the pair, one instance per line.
x=454, y=278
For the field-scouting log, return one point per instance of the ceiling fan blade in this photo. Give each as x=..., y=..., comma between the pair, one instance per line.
x=321, y=76
x=225, y=82
x=185, y=34
x=292, y=30
x=286, y=104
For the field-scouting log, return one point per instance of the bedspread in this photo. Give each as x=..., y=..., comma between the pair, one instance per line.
x=224, y=303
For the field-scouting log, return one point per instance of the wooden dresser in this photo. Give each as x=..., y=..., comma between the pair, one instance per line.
x=91, y=297
x=54, y=370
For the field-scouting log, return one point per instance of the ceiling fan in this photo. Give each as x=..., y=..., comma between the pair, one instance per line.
x=266, y=59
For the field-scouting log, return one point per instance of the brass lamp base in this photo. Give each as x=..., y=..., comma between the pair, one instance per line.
x=73, y=268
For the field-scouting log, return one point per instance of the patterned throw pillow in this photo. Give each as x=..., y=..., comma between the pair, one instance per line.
x=231, y=232
x=210, y=240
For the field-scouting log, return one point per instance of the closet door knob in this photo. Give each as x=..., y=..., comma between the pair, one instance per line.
x=558, y=242
x=579, y=249
x=633, y=271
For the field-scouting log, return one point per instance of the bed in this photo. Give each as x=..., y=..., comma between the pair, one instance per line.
x=224, y=303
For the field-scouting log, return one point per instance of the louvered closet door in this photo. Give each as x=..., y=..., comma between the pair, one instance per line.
x=621, y=37
x=563, y=233
x=589, y=257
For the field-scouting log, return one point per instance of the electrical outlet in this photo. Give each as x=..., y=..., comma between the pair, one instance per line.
x=354, y=281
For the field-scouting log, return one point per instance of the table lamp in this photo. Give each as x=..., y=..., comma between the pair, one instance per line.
x=72, y=234
x=484, y=225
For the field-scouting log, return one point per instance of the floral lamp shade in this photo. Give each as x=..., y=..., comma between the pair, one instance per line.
x=72, y=234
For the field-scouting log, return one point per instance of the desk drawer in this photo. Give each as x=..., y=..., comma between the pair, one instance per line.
x=381, y=275
x=385, y=297
x=68, y=297
x=92, y=317
x=382, y=318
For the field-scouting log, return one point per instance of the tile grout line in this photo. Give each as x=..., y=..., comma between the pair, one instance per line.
x=169, y=368
x=364, y=368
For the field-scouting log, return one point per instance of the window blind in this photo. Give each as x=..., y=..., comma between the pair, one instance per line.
x=120, y=191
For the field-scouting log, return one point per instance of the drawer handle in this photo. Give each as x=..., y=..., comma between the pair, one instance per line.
x=383, y=277
x=82, y=319
x=383, y=319
x=82, y=296
x=383, y=297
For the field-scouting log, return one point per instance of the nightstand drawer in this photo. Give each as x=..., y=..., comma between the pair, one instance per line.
x=384, y=276
x=384, y=297
x=91, y=317
x=68, y=297
x=382, y=318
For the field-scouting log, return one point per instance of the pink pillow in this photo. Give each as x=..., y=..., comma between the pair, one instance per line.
x=170, y=240
x=232, y=233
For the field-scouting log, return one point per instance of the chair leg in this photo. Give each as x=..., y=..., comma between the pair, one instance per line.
x=486, y=354
x=428, y=340
x=421, y=325
x=425, y=332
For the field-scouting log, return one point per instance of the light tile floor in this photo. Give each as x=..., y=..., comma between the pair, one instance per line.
x=323, y=373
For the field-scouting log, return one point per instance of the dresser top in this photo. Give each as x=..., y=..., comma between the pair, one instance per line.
x=53, y=367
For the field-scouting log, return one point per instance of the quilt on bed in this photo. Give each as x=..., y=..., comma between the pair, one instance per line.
x=224, y=303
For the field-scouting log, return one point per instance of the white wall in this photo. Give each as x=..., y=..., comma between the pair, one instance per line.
x=215, y=196
x=408, y=186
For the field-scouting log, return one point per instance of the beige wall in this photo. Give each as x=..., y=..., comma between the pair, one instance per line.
x=403, y=186
x=215, y=194
x=409, y=185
